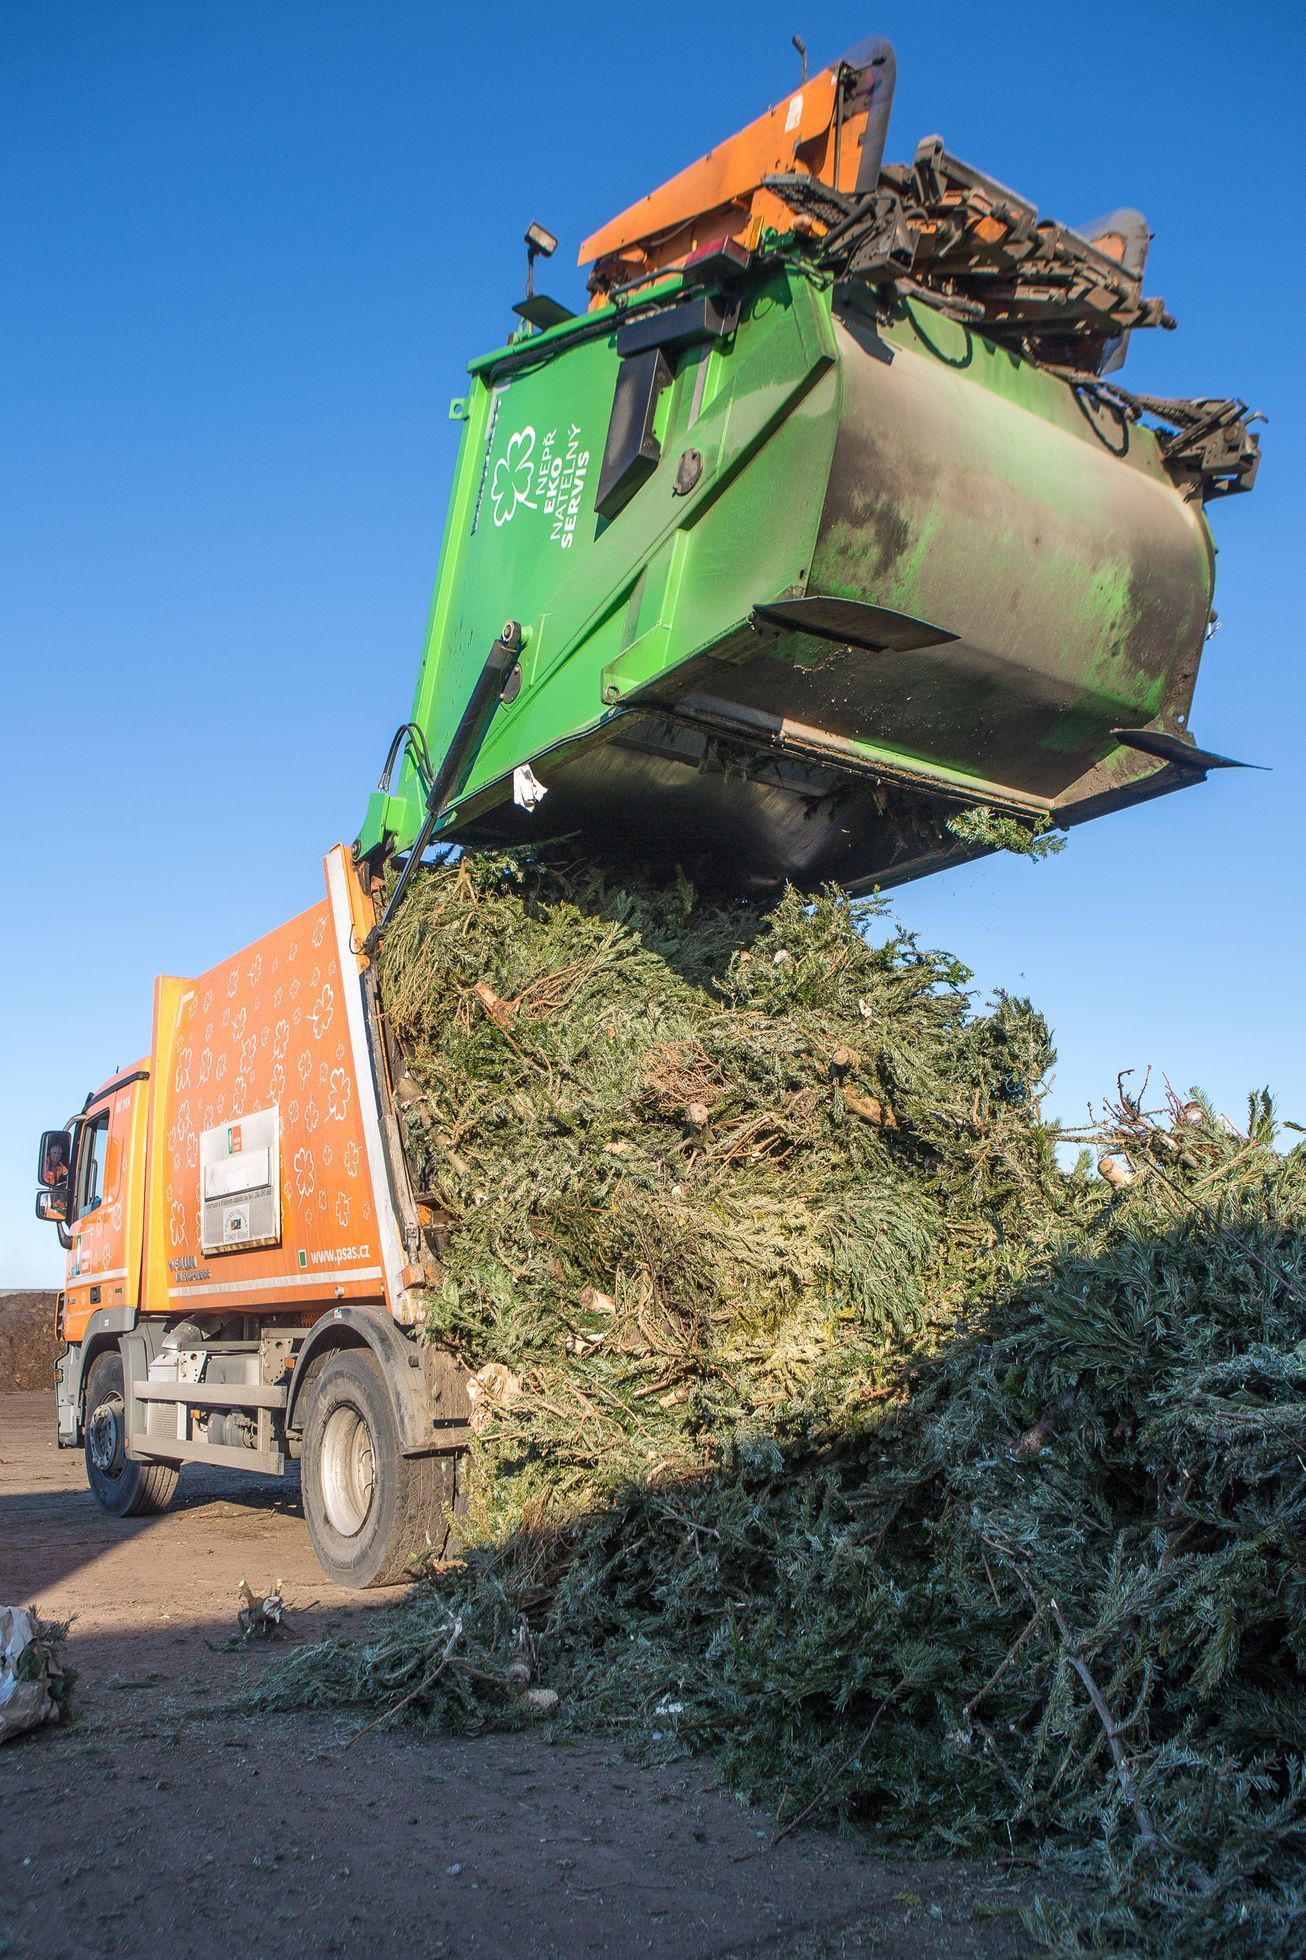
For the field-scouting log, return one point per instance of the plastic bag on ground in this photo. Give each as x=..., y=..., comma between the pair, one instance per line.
x=32, y=1681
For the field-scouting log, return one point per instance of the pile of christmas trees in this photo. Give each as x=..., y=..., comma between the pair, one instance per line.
x=827, y=1422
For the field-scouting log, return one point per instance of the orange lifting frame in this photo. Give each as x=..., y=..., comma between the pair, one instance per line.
x=723, y=196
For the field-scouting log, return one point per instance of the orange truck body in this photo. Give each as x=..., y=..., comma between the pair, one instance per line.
x=244, y=1253
x=260, y=1064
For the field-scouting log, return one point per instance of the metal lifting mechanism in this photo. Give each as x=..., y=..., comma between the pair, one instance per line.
x=497, y=681
x=827, y=521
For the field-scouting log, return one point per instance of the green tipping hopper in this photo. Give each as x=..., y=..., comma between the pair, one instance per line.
x=825, y=524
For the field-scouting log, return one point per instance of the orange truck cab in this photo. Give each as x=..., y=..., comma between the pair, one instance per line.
x=242, y=1248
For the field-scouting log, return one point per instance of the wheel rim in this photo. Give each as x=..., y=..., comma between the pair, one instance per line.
x=348, y=1471
x=106, y=1440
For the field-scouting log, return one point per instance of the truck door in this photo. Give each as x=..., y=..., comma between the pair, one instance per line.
x=106, y=1206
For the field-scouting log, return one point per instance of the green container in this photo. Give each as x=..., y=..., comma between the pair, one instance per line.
x=798, y=577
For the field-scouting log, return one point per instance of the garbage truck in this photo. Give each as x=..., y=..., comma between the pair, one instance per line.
x=823, y=544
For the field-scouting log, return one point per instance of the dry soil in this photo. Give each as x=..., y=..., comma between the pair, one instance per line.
x=28, y=1348
x=160, y=1820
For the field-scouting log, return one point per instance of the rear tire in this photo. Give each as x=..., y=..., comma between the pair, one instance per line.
x=369, y=1509
x=120, y=1485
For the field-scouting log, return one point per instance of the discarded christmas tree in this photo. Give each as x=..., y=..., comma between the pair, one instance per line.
x=826, y=1422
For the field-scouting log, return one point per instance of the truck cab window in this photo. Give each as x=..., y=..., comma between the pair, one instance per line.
x=90, y=1176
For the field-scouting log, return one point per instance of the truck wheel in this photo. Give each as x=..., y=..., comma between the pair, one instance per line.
x=369, y=1509
x=120, y=1485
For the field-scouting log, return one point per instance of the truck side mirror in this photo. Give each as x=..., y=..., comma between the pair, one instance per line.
x=53, y=1162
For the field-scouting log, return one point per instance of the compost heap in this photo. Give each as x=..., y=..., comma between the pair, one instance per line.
x=827, y=1424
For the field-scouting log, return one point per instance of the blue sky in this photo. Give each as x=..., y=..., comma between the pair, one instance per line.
x=249, y=249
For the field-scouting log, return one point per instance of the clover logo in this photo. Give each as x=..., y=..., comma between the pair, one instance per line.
x=513, y=476
x=323, y=1011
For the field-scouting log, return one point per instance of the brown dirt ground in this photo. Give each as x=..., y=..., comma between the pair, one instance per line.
x=28, y=1349
x=160, y=1819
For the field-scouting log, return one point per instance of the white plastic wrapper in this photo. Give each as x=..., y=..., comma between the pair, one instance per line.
x=28, y=1673
x=528, y=792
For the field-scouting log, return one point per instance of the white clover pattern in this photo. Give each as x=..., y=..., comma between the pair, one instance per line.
x=323, y=1012
x=514, y=477
x=259, y=1032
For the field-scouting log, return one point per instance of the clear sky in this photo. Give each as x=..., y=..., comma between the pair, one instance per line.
x=248, y=249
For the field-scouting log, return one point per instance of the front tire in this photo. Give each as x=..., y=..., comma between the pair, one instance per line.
x=120, y=1485
x=369, y=1508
